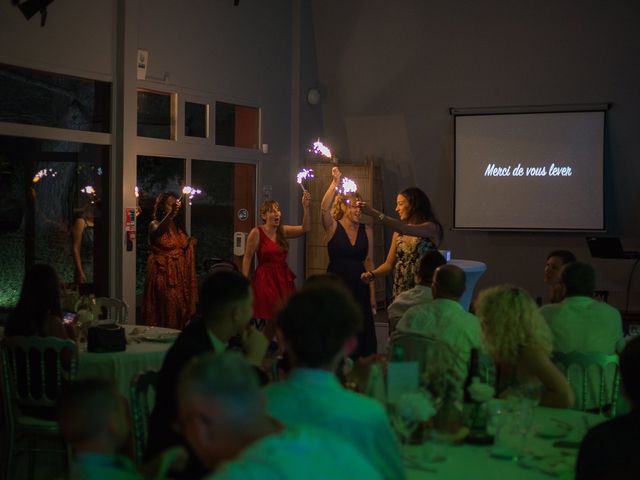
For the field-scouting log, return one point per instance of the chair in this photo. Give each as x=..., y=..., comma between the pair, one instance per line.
x=586, y=361
x=434, y=357
x=34, y=370
x=113, y=309
x=143, y=389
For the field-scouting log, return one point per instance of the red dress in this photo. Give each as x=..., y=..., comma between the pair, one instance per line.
x=171, y=286
x=273, y=279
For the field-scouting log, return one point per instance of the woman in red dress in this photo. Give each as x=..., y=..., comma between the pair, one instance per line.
x=273, y=279
x=170, y=287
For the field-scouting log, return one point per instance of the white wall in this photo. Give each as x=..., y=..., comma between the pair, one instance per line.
x=391, y=70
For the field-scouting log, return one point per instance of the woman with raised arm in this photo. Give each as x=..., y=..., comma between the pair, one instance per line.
x=417, y=232
x=273, y=280
x=350, y=245
x=171, y=286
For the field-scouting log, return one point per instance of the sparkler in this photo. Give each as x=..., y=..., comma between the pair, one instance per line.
x=89, y=190
x=348, y=186
x=304, y=174
x=320, y=148
x=45, y=172
x=190, y=191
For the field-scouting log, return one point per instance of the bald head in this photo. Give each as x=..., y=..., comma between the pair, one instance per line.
x=449, y=281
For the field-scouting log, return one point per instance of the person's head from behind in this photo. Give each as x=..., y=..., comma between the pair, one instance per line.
x=220, y=410
x=39, y=298
x=449, y=281
x=429, y=262
x=578, y=279
x=328, y=279
x=555, y=261
x=510, y=320
x=92, y=416
x=165, y=202
x=630, y=371
x=345, y=206
x=319, y=326
x=226, y=302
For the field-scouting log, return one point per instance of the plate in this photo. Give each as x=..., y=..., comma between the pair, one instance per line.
x=159, y=337
x=552, y=430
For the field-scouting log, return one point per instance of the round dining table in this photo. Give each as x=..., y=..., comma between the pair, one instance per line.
x=146, y=348
x=550, y=450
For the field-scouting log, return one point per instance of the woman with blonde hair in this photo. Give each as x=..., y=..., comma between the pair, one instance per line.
x=350, y=245
x=520, y=343
x=273, y=280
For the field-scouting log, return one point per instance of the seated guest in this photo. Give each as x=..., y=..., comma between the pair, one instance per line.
x=610, y=449
x=225, y=311
x=223, y=418
x=38, y=312
x=419, y=294
x=444, y=318
x=94, y=421
x=519, y=341
x=555, y=261
x=319, y=326
x=582, y=324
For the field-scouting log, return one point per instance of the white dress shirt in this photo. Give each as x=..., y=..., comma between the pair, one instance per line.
x=414, y=296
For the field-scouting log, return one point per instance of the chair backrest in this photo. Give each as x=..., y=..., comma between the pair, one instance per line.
x=585, y=362
x=35, y=368
x=143, y=390
x=430, y=353
x=114, y=309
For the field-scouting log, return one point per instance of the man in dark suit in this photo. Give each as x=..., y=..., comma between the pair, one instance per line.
x=225, y=309
x=610, y=450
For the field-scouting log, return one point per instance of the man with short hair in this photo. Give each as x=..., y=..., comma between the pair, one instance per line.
x=444, y=318
x=319, y=326
x=610, y=449
x=419, y=294
x=555, y=261
x=580, y=323
x=225, y=310
x=223, y=418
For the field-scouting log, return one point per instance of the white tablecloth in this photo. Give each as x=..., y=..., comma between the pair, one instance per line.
x=121, y=367
x=466, y=462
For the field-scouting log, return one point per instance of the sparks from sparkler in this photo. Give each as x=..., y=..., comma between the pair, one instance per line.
x=45, y=172
x=348, y=186
x=137, y=191
x=190, y=192
x=304, y=174
x=320, y=148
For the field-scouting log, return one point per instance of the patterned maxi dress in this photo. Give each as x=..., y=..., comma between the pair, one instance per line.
x=171, y=286
x=409, y=250
x=273, y=280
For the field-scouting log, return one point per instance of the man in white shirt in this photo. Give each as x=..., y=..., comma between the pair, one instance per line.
x=319, y=326
x=223, y=418
x=580, y=323
x=444, y=318
x=419, y=294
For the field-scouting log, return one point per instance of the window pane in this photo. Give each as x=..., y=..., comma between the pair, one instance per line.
x=195, y=120
x=51, y=100
x=155, y=175
x=154, y=115
x=40, y=199
x=224, y=207
x=237, y=125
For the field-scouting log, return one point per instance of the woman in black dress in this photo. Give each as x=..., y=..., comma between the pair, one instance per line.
x=350, y=245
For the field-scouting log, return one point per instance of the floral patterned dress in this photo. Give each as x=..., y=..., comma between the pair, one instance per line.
x=171, y=286
x=409, y=250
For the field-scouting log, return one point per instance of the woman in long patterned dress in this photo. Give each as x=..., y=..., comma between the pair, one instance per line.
x=417, y=232
x=350, y=245
x=171, y=287
x=273, y=280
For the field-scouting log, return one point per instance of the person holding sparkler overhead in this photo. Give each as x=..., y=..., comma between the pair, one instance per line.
x=170, y=287
x=417, y=232
x=273, y=280
x=350, y=245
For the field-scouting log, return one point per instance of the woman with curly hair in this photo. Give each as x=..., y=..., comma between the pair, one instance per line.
x=170, y=287
x=519, y=341
x=350, y=245
x=273, y=280
x=417, y=232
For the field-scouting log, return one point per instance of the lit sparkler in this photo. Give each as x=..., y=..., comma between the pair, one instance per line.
x=137, y=191
x=322, y=149
x=303, y=175
x=190, y=192
x=45, y=172
x=348, y=186
x=89, y=190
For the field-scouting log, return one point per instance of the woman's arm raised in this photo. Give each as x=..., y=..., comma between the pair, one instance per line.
x=293, y=231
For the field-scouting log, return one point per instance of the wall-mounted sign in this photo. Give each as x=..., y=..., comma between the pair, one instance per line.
x=243, y=214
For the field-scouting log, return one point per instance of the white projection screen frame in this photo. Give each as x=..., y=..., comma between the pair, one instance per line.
x=531, y=171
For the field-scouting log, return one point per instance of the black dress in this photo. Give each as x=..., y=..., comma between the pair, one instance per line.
x=347, y=261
